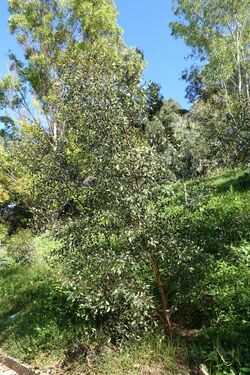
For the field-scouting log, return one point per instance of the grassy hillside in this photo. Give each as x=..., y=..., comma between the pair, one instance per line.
x=39, y=324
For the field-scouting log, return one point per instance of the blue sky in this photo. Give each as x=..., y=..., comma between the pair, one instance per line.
x=6, y=40
x=145, y=25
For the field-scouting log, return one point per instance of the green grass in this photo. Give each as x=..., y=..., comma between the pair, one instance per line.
x=47, y=326
x=220, y=226
x=151, y=355
x=34, y=311
x=29, y=292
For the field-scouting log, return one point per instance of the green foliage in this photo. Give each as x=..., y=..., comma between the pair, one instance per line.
x=175, y=134
x=3, y=232
x=38, y=325
x=47, y=328
x=218, y=34
x=224, y=141
x=41, y=170
x=20, y=247
x=217, y=298
x=154, y=100
x=35, y=314
x=114, y=300
x=151, y=354
x=107, y=234
x=50, y=32
x=107, y=166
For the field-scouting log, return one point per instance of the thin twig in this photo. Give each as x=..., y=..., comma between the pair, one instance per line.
x=203, y=370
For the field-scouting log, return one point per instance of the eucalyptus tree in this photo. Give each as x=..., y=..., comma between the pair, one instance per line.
x=155, y=99
x=52, y=34
x=218, y=34
x=174, y=133
x=111, y=251
x=47, y=31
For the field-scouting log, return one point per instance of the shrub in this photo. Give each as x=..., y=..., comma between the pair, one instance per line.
x=20, y=247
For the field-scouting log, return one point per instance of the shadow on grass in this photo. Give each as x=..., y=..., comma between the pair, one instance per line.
x=240, y=184
x=44, y=319
x=224, y=348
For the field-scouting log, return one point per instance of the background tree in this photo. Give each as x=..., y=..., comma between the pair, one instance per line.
x=175, y=134
x=48, y=31
x=42, y=150
x=155, y=99
x=219, y=36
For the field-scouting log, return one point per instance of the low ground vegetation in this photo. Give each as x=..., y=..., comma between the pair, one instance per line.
x=41, y=323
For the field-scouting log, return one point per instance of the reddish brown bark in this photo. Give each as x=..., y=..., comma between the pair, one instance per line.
x=164, y=300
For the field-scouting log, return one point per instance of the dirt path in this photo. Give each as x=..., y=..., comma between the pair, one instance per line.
x=6, y=371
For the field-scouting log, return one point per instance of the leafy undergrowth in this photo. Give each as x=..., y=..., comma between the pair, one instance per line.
x=149, y=356
x=39, y=326
x=35, y=316
x=38, y=323
x=220, y=224
x=33, y=312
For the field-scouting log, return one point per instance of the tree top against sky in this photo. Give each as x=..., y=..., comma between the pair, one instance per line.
x=145, y=25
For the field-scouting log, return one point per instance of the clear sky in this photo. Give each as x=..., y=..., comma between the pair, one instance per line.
x=145, y=25
x=7, y=41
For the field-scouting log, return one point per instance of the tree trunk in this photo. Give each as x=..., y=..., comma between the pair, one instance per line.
x=165, y=308
x=247, y=91
x=186, y=202
x=239, y=63
x=55, y=130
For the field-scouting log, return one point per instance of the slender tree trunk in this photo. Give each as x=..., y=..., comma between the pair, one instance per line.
x=186, y=200
x=239, y=64
x=247, y=90
x=55, y=131
x=164, y=300
x=228, y=104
